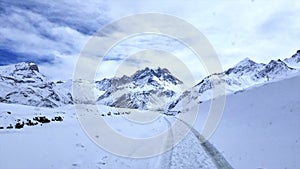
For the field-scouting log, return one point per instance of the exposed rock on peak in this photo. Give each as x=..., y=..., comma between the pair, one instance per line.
x=274, y=69
x=145, y=89
x=294, y=60
x=22, y=83
x=246, y=65
x=148, y=74
x=26, y=66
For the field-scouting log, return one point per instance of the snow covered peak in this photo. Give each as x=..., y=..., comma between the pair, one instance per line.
x=22, y=72
x=294, y=61
x=22, y=83
x=296, y=56
x=245, y=62
x=245, y=74
x=111, y=84
x=148, y=75
x=245, y=66
x=275, y=67
x=27, y=66
x=277, y=63
x=146, y=89
x=23, y=66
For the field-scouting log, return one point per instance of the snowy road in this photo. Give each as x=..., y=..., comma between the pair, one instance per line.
x=212, y=152
x=218, y=159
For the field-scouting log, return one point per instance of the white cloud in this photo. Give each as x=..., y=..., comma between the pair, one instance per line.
x=30, y=32
x=256, y=29
x=234, y=27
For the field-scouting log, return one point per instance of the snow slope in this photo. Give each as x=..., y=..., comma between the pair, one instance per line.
x=255, y=132
x=260, y=126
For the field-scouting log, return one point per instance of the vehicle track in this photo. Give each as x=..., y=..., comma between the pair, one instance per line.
x=217, y=158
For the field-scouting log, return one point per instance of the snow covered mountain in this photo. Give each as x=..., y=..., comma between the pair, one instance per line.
x=245, y=74
x=155, y=89
x=24, y=84
x=274, y=70
x=294, y=61
x=146, y=89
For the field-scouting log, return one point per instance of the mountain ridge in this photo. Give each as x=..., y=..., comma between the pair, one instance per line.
x=149, y=88
x=243, y=75
x=145, y=89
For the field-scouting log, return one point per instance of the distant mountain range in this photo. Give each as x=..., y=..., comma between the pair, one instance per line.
x=146, y=89
x=155, y=89
x=244, y=75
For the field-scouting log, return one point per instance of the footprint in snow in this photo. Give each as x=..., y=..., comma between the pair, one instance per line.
x=80, y=145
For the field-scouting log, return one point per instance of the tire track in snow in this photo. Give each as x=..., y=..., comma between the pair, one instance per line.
x=217, y=158
x=166, y=157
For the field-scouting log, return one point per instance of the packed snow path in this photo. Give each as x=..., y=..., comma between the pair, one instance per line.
x=211, y=150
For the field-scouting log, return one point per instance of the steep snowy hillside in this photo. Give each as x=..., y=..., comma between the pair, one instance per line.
x=24, y=84
x=146, y=89
x=260, y=126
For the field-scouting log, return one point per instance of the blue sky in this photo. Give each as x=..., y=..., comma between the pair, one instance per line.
x=52, y=33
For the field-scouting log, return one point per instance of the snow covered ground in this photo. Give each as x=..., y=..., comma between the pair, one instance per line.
x=65, y=145
x=259, y=129
x=260, y=126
